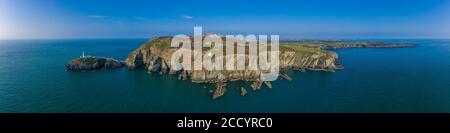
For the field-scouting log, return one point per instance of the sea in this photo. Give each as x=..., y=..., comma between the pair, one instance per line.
x=33, y=79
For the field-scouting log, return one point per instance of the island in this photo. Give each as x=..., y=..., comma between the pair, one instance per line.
x=91, y=63
x=155, y=56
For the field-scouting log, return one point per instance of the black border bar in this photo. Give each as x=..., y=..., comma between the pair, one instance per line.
x=169, y=120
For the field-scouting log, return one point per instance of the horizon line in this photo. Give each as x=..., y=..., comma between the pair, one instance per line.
x=305, y=38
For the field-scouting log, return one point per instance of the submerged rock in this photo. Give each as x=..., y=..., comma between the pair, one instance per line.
x=243, y=91
x=92, y=64
x=285, y=76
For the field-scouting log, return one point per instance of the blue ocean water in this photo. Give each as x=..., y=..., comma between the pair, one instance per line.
x=33, y=79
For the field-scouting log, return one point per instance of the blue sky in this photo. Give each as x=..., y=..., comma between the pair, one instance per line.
x=289, y=19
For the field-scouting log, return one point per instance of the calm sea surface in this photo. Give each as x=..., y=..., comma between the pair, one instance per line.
x=33, y=79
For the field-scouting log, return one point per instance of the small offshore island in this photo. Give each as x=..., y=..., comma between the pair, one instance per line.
x=155, y=56
x=91, y=63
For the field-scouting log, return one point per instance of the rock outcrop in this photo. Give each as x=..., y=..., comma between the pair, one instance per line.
x=243, y=91
x=256, y=85
x=220, y=90
x=92, y=64
x=268, y=84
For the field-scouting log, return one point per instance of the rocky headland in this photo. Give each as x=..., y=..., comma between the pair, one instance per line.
x=155, y=56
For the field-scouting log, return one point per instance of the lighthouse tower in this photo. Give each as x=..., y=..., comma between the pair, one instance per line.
x=82, y=55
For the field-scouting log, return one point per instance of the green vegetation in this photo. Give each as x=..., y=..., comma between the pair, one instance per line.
x=87, y=60
x=161, y=41
x=331, y=44
x=299, y=48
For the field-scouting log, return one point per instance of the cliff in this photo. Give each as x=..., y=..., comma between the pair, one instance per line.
x=92, y=64
x=156, y=54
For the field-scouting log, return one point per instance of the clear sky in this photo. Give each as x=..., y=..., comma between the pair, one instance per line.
x=294, y=19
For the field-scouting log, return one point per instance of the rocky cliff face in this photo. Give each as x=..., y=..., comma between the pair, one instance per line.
x=92, y=64
x=302, y=58
x=156, y=54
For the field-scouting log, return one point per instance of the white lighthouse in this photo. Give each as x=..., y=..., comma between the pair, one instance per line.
x=82, y=55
